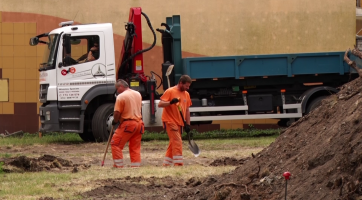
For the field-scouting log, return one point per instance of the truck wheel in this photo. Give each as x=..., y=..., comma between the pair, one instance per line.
x=314, y=104
x=87, y=136
x=100, y=120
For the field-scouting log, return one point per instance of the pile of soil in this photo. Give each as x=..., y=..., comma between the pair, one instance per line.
x=322, y=151
x=43, y=163
x=227, y=161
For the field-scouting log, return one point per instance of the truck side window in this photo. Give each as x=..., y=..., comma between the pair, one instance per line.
x=83, y=49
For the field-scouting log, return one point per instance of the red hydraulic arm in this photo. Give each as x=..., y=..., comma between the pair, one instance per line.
x=131, y=67
x=131, y=62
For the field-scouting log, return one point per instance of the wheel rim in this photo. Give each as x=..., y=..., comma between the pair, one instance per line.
x=109, y=123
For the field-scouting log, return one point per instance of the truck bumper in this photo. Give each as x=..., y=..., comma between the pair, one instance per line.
x=49, y=117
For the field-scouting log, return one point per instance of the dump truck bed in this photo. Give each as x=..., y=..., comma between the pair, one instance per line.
x=268, y=65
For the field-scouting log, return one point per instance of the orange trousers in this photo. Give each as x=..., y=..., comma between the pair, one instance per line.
x=174, y=150
x=131, y=131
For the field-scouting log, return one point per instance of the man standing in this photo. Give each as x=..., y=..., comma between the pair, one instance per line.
x=172, y=120
x=127, y=111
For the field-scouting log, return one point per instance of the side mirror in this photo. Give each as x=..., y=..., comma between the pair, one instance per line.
x=34, y=41
x=66, y=43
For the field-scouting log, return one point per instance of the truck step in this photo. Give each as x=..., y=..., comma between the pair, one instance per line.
x=69, y=107
x=69, y=119
x=70, y=131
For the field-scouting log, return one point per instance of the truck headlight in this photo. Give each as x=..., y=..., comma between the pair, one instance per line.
x=47, y=115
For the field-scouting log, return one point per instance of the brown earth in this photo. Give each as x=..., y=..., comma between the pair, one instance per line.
x=322, y=151
x=43, y=163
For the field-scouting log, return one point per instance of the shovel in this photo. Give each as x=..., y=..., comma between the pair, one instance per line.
x=192, y=145
x=105, y=151
x=168, y=72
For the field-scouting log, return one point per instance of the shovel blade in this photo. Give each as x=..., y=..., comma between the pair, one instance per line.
x=194, y=148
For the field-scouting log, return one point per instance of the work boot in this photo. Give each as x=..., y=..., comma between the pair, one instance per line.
x=114, y=166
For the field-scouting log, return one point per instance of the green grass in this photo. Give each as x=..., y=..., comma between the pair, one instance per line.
x=1, y=168
x=73, y=138
x=5, y=155
x=231, y=143
x=33, y=186
x=30, y=139
x=232, y=133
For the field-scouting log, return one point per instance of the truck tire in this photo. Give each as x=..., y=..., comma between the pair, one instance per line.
x=99, y=122
x=87, y=136
x=314, y=104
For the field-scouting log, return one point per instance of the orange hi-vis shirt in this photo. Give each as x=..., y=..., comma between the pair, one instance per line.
x=171, y=112
x=129, y=104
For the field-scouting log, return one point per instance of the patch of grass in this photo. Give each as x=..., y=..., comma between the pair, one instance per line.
x=67, y=185
x=49, y=138
x=1, y=167
x=230, y=133
x=73, y=138
x=31, y=185
x=230, y=144
x=5, y=155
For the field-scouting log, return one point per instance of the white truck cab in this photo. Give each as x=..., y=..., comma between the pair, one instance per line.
x=78, y=93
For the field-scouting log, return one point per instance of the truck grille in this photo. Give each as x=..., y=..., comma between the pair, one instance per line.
x=43, y=91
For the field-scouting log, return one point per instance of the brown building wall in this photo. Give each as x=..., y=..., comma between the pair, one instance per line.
x=213, y=27
x=209, y=28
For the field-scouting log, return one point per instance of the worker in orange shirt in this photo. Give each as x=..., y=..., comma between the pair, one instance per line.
x=172, y=120
x=127, y=112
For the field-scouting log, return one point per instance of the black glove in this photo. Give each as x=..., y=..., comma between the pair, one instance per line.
x=187, y=128
x=174, y=100
x=115, y=125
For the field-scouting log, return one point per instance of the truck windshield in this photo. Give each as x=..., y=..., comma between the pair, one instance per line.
x=49, y=53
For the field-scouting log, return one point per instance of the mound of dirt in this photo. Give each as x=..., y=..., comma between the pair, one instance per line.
x=227, y=161
x=43, y=163
x=322, y=151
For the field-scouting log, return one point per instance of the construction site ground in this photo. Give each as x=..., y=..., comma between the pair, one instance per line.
x=322, y=151
x=87, y=158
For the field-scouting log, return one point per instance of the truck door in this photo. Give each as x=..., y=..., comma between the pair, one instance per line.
x=82, y=67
